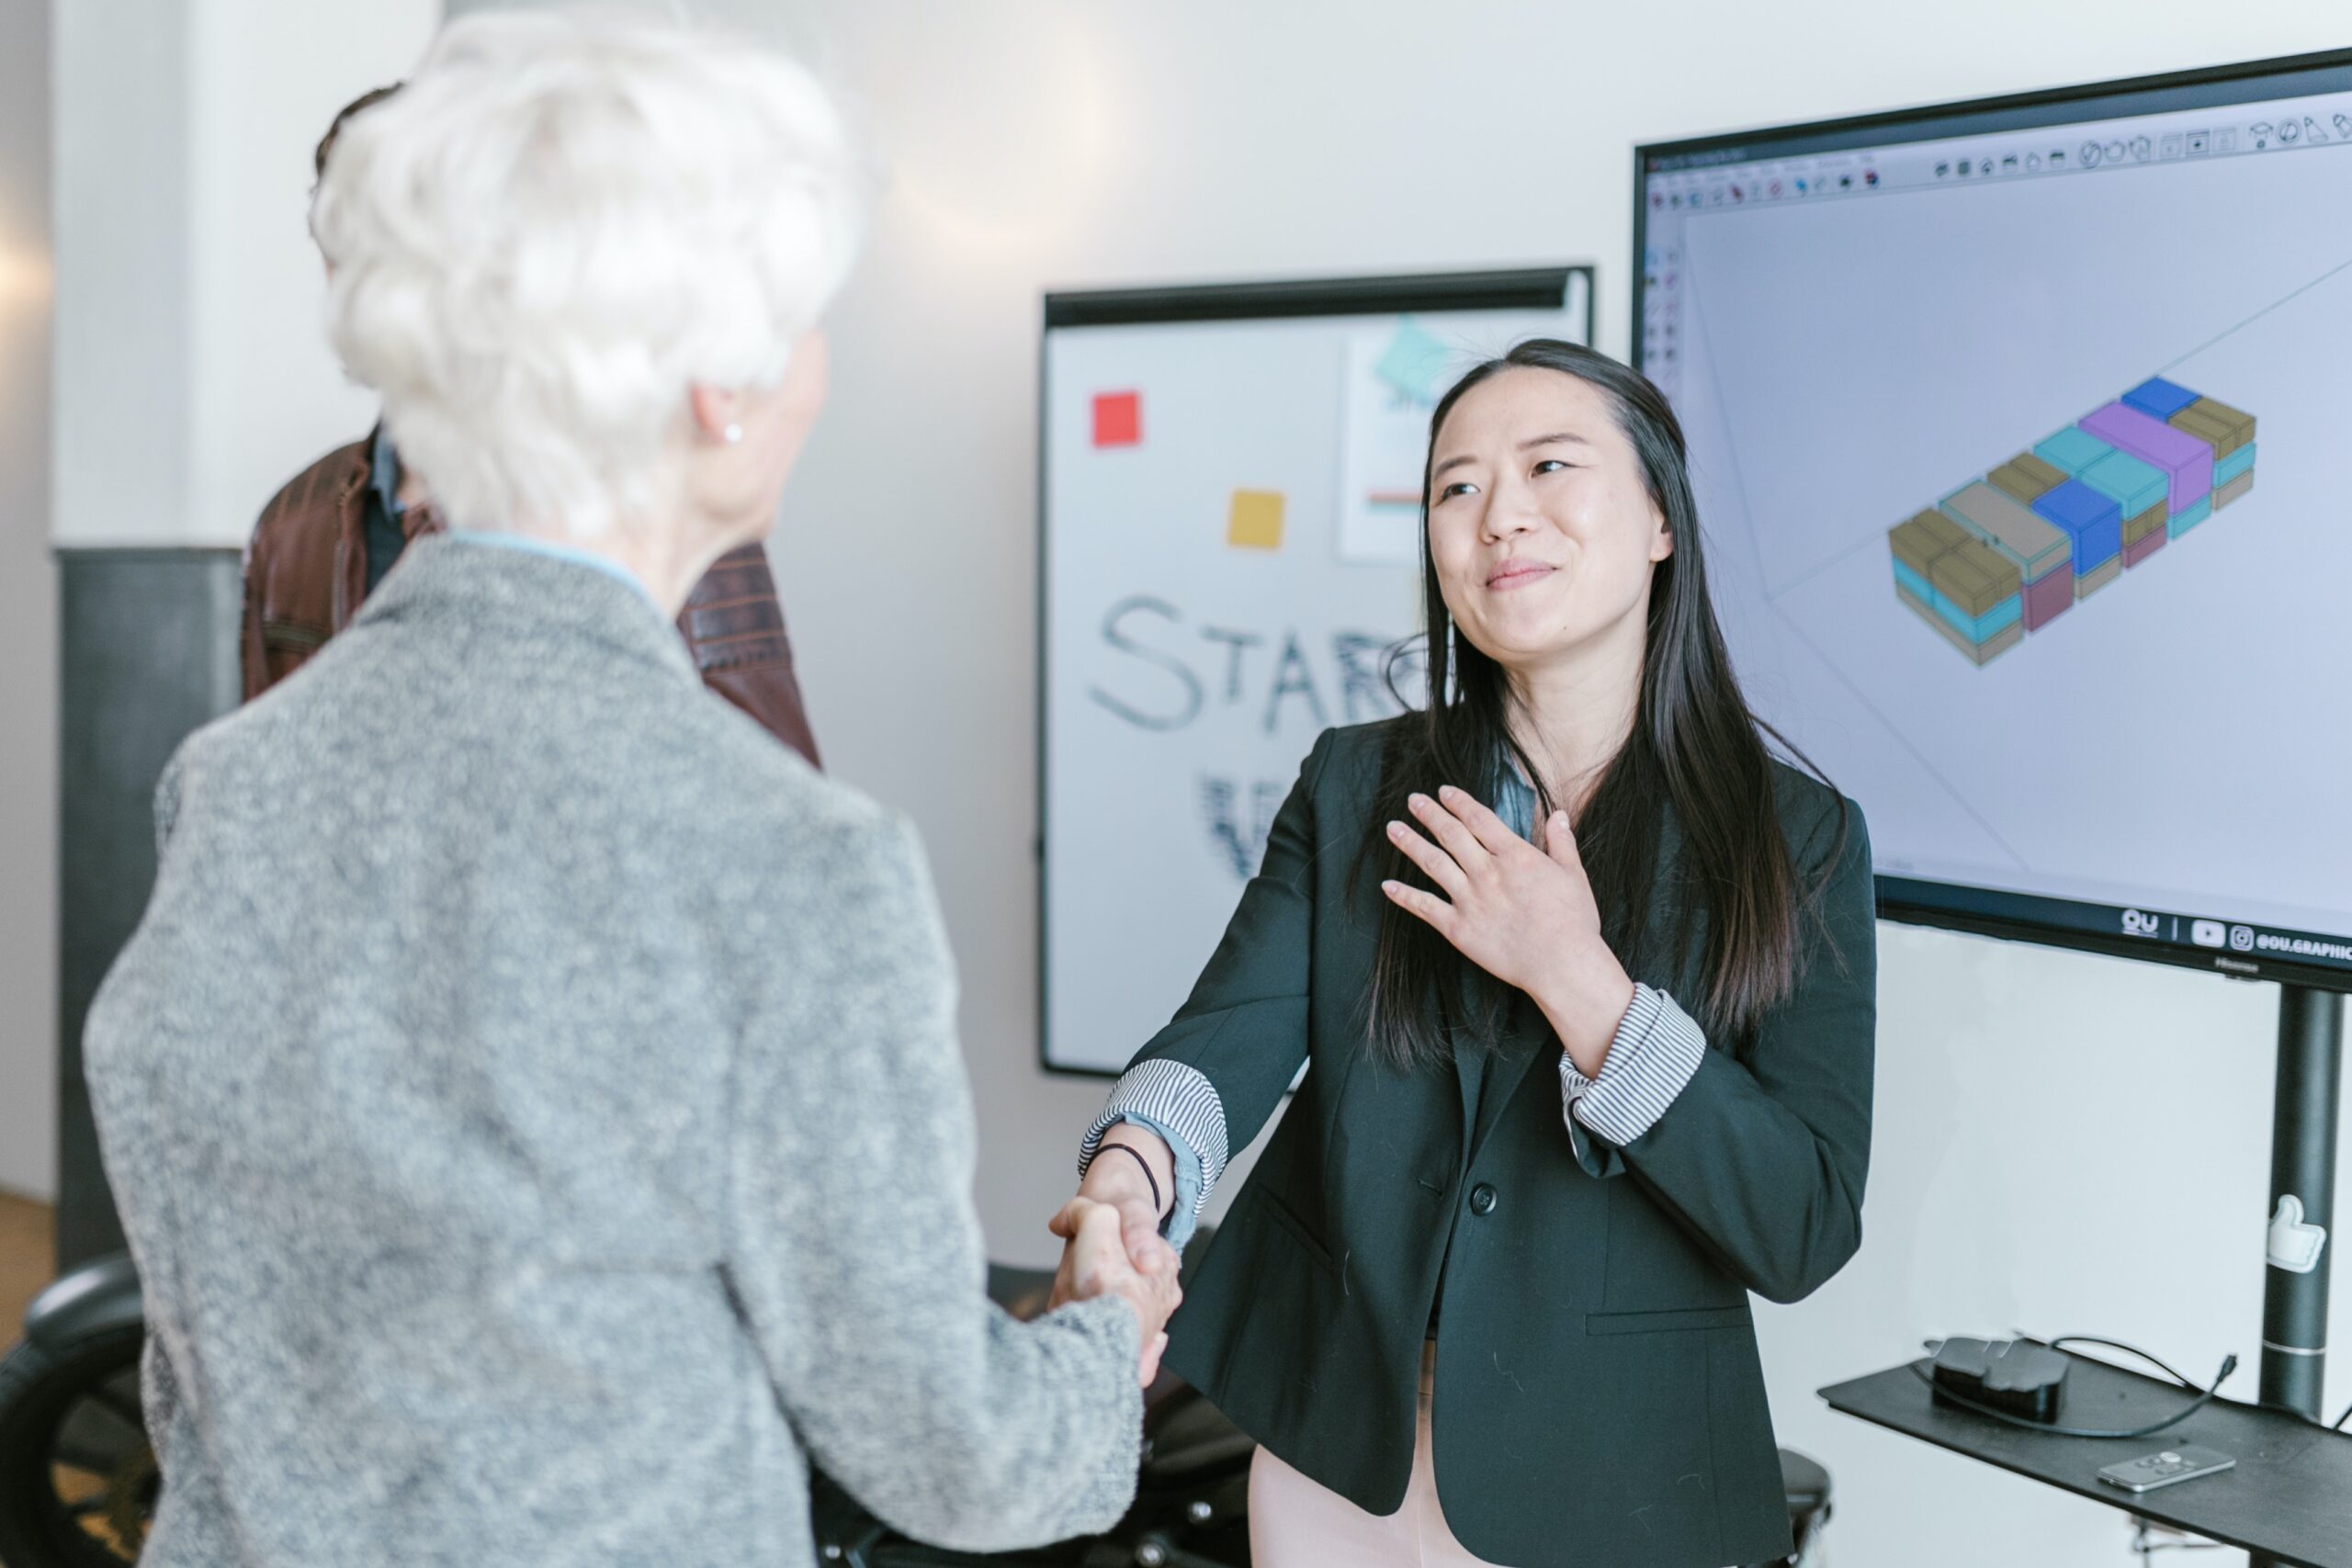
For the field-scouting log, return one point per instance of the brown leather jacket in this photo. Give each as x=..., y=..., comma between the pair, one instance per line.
x=306, y=572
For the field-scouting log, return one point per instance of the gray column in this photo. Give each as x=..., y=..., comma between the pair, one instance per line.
x=149, y=654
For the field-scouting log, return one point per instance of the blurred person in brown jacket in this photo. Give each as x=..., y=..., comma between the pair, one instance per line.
x=327, y=539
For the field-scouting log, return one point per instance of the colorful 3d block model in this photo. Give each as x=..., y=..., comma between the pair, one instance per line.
x=2007, y=554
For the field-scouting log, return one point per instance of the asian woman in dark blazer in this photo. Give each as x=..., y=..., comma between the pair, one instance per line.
x=1582, y=973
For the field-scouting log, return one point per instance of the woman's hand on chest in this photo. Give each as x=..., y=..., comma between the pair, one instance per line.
x=1524, y=914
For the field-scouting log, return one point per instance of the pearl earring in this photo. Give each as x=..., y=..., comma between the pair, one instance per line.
x=731, y=435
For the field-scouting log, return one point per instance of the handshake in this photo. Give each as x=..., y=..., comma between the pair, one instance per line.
x=1112, y=1247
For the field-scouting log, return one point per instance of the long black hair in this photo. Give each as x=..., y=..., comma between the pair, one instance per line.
x=1695, y=749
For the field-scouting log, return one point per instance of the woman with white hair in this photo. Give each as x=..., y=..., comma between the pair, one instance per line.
x=531, y=1093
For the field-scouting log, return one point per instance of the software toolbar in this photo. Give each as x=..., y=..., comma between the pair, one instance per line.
x=1678, y=188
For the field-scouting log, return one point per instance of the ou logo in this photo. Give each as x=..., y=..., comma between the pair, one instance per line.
x=2137, y=924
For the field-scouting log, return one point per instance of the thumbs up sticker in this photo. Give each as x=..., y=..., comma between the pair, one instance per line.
x=2294, y=1245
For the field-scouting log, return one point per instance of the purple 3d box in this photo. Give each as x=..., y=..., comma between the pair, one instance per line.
x=2187, y=462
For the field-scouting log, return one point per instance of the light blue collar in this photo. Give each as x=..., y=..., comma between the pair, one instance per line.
x=1515, y=801
x=532, y=545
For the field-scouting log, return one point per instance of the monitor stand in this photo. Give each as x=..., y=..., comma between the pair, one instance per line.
x=2303, y=1171
x=2302, y=1168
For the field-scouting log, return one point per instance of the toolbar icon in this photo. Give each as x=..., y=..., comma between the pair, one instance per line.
x=2199, y=143
x=2091, y=154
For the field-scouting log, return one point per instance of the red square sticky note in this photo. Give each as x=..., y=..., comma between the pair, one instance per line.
x=1118, y=419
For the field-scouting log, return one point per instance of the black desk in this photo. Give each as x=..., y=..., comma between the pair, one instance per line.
x=2290, y=1497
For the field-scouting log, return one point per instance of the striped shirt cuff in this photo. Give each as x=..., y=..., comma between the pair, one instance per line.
x=1183, y=1211
x=1176, y=1102
x=1657, y=1050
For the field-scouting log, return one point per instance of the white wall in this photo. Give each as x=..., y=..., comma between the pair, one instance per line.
x=121, y=214
x=189, y=305
x=1044, y=145
x=28, y=618
x=268, y=76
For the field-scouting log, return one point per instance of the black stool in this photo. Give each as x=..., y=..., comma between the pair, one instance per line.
x=1807, y=1485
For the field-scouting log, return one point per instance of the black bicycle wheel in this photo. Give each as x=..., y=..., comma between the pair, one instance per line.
x=78, y=1481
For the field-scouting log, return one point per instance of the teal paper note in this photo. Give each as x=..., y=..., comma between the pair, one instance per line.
x=1413, y=362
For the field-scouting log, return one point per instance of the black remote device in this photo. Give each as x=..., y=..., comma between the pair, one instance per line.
x=2017, y=1377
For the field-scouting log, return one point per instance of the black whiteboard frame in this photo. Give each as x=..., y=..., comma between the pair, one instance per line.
x=2075, y=925
x=1516, y=288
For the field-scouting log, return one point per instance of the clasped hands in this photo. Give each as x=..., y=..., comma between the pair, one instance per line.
x=1113, y=1248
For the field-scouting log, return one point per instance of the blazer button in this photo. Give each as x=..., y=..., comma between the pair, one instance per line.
x=1482, y=1200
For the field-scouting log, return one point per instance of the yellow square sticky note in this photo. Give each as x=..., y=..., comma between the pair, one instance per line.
x=1256, y=521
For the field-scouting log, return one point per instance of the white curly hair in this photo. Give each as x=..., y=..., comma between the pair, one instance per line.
x=561, y=224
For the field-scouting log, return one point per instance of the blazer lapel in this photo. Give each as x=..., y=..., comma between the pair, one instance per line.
x=1526, y=1042
x=1470, y=1061
x=1490, y=1075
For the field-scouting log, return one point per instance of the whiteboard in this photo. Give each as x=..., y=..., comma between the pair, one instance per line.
x=1229, y=545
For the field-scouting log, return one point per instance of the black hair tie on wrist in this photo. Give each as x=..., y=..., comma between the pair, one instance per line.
x=1146, y=1164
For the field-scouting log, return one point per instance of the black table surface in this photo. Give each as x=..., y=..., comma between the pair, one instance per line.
x=2290, y=1497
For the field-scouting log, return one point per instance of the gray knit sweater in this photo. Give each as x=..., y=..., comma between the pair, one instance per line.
x=534, y=1100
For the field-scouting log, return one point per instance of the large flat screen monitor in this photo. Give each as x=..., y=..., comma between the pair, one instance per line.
x=2022, y=435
